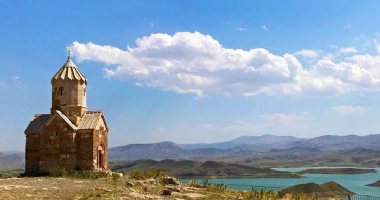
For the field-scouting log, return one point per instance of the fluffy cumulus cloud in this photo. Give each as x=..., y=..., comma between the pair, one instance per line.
x=349, y=109
x=348, y=50
x=196, y=63
x=308, y=53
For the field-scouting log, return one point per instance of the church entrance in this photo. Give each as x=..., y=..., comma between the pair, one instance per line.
x=100, y=157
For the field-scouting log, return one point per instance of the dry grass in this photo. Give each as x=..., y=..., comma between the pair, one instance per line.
x=123, y=188
x=146, y=173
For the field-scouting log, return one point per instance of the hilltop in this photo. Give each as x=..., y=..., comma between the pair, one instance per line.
x=375, y=184
x=128, y=187
x=328, y=189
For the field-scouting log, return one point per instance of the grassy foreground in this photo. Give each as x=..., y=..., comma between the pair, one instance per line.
x=134, y=185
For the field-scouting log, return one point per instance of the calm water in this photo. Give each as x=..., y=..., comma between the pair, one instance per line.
x=353, y=182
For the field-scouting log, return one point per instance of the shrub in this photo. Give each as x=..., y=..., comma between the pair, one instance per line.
x=62, y=172
x=11, y=174
x=209, y=186
x=205, y=182
x=147, y=173
x=262, y=195
x=57, y=172
x=193, y=183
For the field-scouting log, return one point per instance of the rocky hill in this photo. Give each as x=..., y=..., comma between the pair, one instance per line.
x=329, y=189
x=375, y=184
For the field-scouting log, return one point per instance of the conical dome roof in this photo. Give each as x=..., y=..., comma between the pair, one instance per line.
x=69, y=72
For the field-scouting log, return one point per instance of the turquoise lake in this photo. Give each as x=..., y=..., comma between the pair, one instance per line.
x=353, y=182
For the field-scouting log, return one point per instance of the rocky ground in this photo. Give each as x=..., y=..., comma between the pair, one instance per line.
x=119, y=188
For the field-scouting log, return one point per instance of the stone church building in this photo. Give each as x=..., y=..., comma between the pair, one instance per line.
x=71, y=136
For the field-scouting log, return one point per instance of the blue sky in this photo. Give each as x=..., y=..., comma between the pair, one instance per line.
x=197, y=71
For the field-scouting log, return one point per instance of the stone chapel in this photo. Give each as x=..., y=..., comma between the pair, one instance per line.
x=71, y=136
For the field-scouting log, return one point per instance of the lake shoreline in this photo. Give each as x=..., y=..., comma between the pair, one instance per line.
x=295, y=175
x=338, y=171
x=357, y=183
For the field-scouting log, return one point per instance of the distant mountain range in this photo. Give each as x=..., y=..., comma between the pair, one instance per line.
x=341, y=142
x=266, y=142
x=266, y=150
x=171, y=150
x=258, y=141
x=11, y=160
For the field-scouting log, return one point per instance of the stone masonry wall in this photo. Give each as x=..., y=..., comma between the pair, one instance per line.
x=32, y=153
x=57, y=146
x=85, y=146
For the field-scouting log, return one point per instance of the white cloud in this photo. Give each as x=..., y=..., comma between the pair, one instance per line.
x=348, y=50
x=308, y=53
x=196, y=63
x=349, y=109
x=241, y=29
x=192, y=63
x=264, y=28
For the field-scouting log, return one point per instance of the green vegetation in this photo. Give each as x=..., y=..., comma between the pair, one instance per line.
x=146, y=173
x=62, y=172
x=297, y=192
x=10, y=174
x=248, y=195
x=209, y=186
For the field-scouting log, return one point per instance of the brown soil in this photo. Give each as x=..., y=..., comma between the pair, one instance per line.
x=114, y=188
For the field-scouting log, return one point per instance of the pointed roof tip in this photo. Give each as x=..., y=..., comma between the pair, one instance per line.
x=69, y=62
x=69, y=71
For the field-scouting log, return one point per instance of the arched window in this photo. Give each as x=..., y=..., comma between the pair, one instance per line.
x=61, y=90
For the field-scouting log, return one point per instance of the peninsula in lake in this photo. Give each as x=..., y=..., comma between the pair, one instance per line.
x=338, y=170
